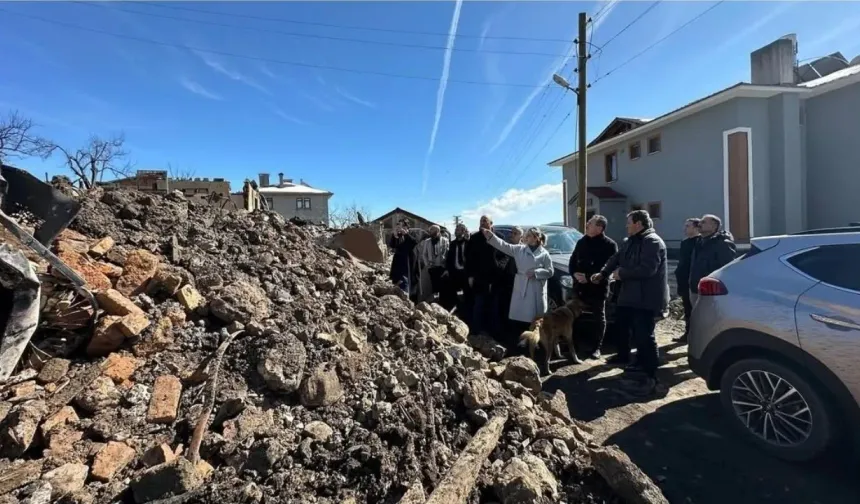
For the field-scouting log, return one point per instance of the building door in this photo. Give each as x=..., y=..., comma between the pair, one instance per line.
x=738, y=182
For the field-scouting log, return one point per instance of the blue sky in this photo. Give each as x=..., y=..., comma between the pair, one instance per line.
x=435, y=145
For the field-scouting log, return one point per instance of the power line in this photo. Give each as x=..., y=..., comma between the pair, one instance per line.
x=266, y=60
x=543, y=147
x=600, y=11
x=348, y=27
x=320, y=37
x=643, y=51
x=631, y=23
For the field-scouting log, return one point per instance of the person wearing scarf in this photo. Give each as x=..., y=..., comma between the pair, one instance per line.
x=433, y=256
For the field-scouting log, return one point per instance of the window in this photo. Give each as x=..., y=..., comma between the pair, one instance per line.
x=832, y=264
x=635, y=150
x=303, y=203
x=655, y=209
x=611, y=167
x=654, y=144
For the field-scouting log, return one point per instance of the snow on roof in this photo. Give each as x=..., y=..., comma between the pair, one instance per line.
x=292, y=189
x=839, y=74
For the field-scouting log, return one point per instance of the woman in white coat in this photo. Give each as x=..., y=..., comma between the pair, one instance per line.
x=534, y=268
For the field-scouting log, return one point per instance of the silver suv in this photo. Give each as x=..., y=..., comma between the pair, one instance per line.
x=777, y=331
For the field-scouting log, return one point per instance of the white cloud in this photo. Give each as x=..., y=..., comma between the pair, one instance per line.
x=515, y=201
x=440, y=93
x=556, y=67
x=283, y=115
x=354, y=98
x=197, y=89
x=219, y=67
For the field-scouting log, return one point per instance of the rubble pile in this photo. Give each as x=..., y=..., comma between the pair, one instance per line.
x=235, y=358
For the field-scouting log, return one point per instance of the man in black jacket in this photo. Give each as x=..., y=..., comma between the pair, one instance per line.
x=403, y=264
x=455, y=267
x=640, y=266
x=590, y=254
x=714, y=249
x=482, y=268
x=682, y=272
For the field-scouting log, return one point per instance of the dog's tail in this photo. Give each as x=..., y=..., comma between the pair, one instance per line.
x=530, y=339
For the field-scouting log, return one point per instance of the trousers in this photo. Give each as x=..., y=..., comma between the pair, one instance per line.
x=637, y=325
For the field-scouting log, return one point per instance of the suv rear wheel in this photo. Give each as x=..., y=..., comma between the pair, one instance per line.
x=777, y=409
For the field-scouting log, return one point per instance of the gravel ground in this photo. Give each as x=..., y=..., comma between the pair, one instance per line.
x=684, y=442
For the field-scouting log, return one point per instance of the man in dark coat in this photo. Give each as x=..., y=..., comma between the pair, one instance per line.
x=713, y=249
x=590, y=254
x=455, y=267
x=483, y=268
x=503, y=289
x=403, y=265
x=682, y=272
x=640, y=266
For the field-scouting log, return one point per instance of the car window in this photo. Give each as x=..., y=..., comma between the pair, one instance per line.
x=561, y=242
x=833, y=264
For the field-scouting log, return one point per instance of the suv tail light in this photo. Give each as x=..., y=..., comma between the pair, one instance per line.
x=712, y=287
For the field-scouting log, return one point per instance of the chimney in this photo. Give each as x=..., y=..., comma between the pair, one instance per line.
x=264, y=180
x=280, y=179
x=774, y=64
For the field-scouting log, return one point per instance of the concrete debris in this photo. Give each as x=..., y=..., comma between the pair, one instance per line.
x=337, y=389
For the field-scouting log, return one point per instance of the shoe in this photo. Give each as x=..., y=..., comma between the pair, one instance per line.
x=595, y=355
x=643, y=387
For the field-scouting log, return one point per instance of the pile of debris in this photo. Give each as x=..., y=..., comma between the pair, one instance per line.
x=236, y=359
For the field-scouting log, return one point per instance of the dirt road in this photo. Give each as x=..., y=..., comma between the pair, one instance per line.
x=684, y=442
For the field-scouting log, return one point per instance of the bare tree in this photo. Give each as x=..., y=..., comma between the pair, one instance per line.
x=100, y=156
x=18, y=139
x=343, y=217
x=177, y=173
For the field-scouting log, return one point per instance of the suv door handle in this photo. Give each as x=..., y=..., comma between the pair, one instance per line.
x=834, y=322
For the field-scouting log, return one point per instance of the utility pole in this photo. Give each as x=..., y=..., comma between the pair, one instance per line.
x=582, y=158
x=456, y=220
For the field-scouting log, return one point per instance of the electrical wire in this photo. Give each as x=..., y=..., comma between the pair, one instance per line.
x=166, y=5
x=266, y=60
x=673, y=32
x=317, y=36
x=543, y=147
x=631, y=23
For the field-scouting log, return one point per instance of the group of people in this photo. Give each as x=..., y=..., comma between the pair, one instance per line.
x=504, y=283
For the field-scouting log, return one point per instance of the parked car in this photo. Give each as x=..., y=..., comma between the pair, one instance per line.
x=777, y=332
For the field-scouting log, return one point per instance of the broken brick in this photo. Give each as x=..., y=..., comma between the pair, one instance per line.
x=164, y=281
x=102, y=246
x=66, y=416
x=134, y=324
x=109, y=270
x=139, y=268
x=189, y=298
x=164, y=404
x=160, y=454
x=61, y=441
x=24, y=390
x=53, y=370
x=110, y=460
x=83, y=266
x=160, y=339
x=119, y=367
x=176, y=478
x=107, y=337
x=114, y=303
x=20, y=426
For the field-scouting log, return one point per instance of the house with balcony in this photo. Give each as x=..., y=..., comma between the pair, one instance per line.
x=778, y=154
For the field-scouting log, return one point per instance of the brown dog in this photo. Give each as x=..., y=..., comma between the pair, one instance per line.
x=549, y=329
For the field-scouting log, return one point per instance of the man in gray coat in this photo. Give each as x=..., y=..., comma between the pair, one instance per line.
x=640, y=266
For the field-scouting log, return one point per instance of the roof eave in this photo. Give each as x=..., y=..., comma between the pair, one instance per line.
x=740, y=90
